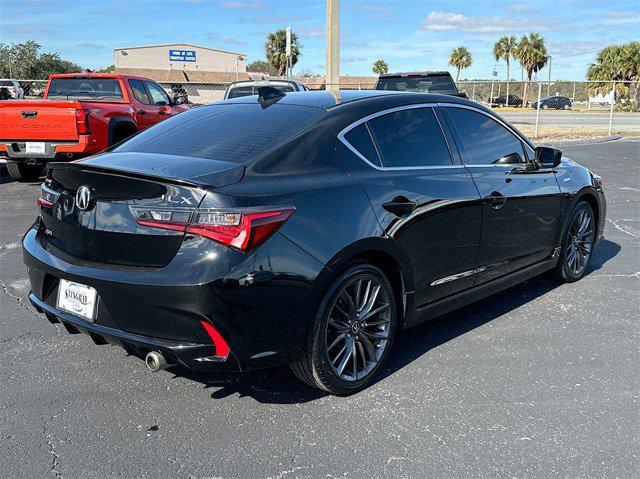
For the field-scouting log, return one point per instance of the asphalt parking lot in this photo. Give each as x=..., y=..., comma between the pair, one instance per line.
x=537, y=381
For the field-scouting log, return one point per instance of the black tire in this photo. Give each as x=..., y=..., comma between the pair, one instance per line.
x=566, y=270
x=315, y=368
x=22, y=172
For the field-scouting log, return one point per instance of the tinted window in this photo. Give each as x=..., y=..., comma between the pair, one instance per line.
x=410, y=138
x=6, y=83
x=485, y=141
x=239, y=91
x=85, y=89
x=228, y=132
x=158, y=95
x=360, y=139
x=139, y=92
x=425, y=84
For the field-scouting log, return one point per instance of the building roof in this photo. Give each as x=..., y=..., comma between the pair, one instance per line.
x=180, y=44
x=184, y=76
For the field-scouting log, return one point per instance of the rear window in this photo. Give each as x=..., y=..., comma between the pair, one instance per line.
x=227, y=132
x=246, y=90
x=6, y=83
x=425, y=84
x=85, y=89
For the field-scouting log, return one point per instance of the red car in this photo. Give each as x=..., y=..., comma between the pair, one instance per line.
x=80, y=114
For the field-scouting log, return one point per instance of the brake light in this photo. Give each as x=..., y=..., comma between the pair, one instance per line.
x=243, y=230
x=82, y=121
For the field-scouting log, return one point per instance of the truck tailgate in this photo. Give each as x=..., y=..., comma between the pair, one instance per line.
x=38, y=120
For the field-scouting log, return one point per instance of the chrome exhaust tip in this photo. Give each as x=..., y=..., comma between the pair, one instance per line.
x=156, y=362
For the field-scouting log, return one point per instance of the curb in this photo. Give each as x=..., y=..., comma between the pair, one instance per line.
x=587, y=141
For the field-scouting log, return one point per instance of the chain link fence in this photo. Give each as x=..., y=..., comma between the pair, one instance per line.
x=550, y=110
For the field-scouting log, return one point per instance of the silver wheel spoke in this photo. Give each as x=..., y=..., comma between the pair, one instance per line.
x=357, y=328
x=372, y=313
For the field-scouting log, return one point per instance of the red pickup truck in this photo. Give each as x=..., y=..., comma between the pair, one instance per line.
x=80, y=114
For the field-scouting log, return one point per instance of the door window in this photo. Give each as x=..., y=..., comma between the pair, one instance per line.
x=410, y=138
x=485, y=141
x=158, y=95
x=139, y=92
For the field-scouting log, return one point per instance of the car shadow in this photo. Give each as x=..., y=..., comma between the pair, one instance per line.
x=279, y=386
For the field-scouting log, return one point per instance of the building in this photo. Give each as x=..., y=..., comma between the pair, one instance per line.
x=181, y=63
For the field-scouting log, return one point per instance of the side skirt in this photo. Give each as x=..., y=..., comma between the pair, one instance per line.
x=450, y=303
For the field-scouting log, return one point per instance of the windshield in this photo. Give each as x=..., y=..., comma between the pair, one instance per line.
x=85, y=89
x=425, y=84
x=235, y=132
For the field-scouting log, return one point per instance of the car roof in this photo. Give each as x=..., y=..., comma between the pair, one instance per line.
x=328, y=100
x=414, y=74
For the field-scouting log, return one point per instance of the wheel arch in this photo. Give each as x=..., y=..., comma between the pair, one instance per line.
x=386, y=255
x=118, y=123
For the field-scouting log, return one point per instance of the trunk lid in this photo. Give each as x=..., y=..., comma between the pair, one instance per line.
x=107, y=231
x=39, y=120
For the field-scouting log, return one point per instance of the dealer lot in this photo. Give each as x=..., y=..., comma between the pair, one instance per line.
x=542, y=379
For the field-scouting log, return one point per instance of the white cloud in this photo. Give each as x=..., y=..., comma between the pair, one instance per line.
x=242, y=5
x=91, y=46
x=520, y=8
x=225, y=39
x=490, y=24
x=313, y=32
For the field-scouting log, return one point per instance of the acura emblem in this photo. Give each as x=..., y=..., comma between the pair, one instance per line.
x=84, y=198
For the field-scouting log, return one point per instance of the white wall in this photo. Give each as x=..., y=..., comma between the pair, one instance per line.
x=157, y=57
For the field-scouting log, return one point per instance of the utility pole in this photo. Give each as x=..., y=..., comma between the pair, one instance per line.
x=549, y=83
x=333, y=45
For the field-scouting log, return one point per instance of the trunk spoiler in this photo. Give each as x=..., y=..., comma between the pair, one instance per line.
x=181, y=170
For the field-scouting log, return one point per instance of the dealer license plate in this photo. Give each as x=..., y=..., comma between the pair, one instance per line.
x=78, y=299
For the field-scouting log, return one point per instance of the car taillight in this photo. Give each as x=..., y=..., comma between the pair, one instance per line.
x=243, y=230
x=47, y=196
x=82, y=121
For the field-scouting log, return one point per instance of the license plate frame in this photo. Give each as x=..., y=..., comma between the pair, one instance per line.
x=35, y=147
x=77, y=299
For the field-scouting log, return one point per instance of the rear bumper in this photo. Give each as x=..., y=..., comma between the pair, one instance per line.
x=256, y=302
x=199, y=357
x=15, y=149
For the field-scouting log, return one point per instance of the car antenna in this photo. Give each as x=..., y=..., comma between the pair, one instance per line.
x=267, y=95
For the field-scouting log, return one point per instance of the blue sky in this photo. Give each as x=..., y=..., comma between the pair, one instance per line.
x=409, y=34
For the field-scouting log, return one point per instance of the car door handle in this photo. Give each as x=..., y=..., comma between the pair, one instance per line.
x=400, y=206
x=142, y=112
x=496, y=200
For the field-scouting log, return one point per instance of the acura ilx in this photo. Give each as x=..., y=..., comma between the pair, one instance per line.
x=304, y=229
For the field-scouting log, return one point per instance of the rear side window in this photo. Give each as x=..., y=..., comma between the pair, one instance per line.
x=409, y=138
x=485, y=141
x=139, y=92
x=417, y=84
x=85, y=89
x=360, y=139
x=239, y=91
x=229, y=132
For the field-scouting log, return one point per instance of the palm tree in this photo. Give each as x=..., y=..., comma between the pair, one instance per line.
x=531, y=52
x=620, y=63
x=460, y=58
x=504, y=49
x=380, y=67
x=275, y=50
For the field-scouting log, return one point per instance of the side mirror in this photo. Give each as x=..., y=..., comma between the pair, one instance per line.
x=549, y=157
x=179, y=100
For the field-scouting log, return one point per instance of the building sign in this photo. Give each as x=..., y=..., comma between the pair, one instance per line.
x=182, y=55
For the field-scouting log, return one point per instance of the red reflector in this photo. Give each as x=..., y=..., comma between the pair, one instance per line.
x=222, y=348
x=45, y=203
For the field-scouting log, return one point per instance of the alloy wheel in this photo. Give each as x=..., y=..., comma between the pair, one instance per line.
x=579, y=242
x=358, y=326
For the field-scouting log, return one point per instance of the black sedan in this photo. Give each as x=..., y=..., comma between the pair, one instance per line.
x=556, y=102
x=303, y=229
x=501, y=100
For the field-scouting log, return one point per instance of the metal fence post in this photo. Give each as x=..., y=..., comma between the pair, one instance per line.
x=473, y=94
x=613, y=102
x=538, y=109
x=491, y=97
x=573, y=98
